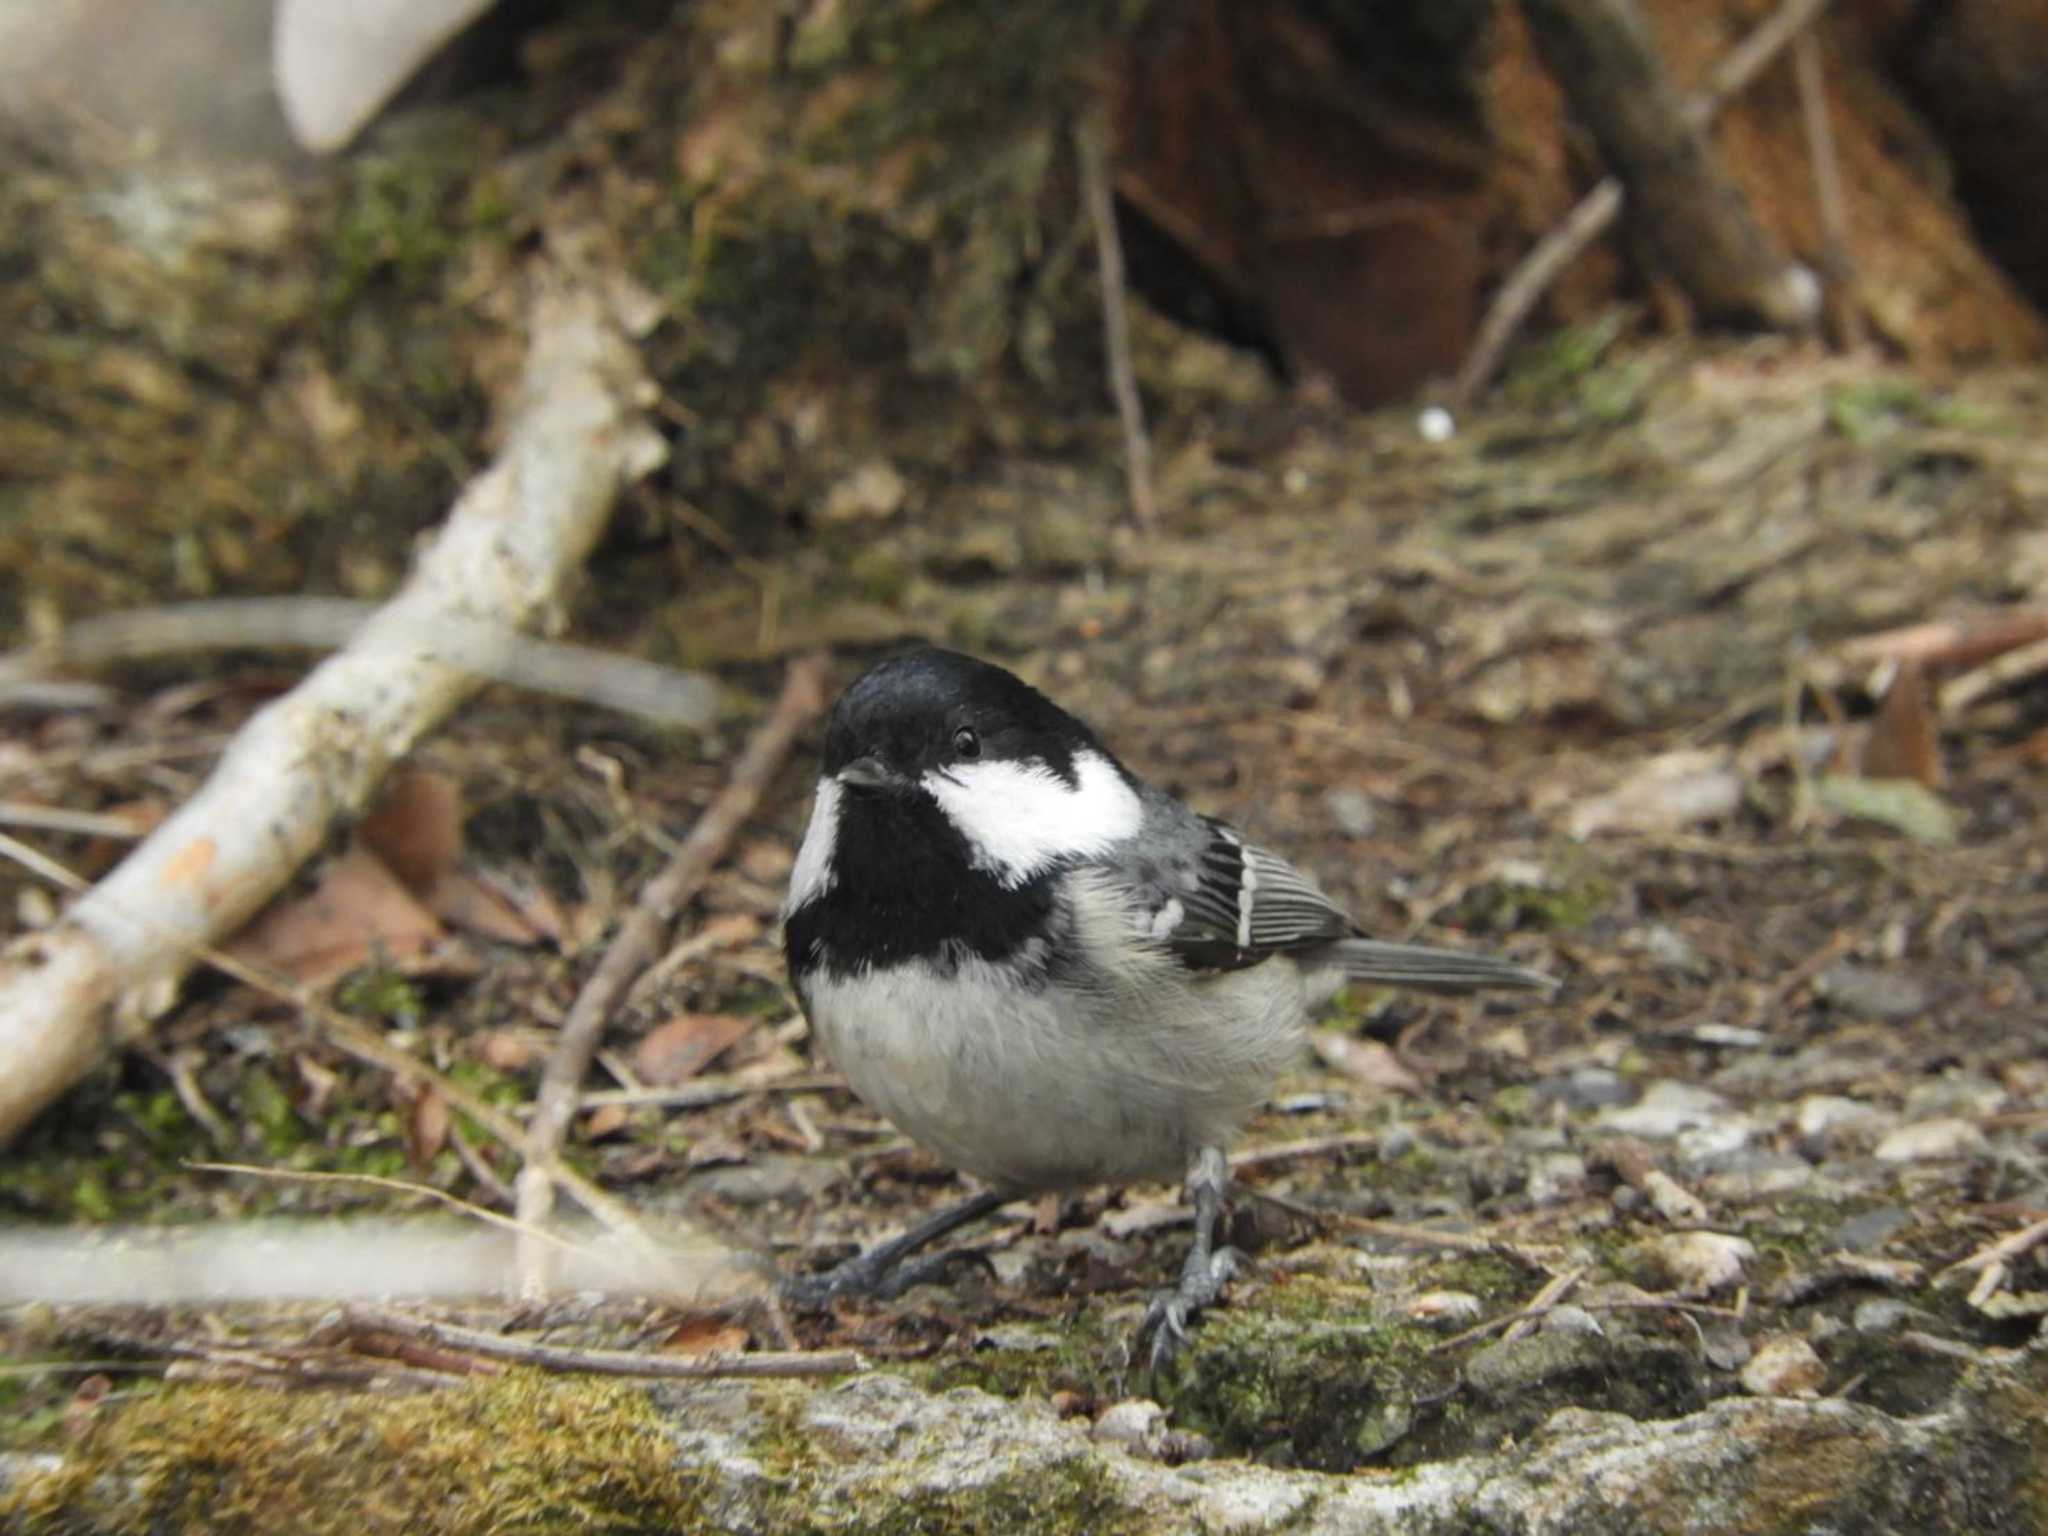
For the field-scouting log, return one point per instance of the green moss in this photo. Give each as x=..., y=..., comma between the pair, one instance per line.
x=511, y=1454
x=1304, y=1375
x=1070, y=1498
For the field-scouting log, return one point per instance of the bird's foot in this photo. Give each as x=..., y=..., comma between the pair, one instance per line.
x=875, y=1275
x=1166, y=1321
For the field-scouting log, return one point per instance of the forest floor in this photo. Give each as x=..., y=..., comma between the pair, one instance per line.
x=1595, y=684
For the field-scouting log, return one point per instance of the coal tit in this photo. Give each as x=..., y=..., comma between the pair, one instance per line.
x=1045, y=971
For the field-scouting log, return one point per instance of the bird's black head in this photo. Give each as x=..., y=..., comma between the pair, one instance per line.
x=929, y=711
x=953, y=794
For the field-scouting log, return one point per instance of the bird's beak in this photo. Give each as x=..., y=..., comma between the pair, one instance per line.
x=869, y=773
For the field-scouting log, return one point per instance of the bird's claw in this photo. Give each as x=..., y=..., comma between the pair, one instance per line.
x=1201, y=1285
x=862, y=1276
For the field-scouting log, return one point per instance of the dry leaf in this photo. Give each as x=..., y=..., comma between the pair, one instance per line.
x=426, y=1123
x=605, y=1120
x=1669, y=791
x=677, y=1051
x=705, y=1336
x=357, y=912
x=506, y=1050
x=474, y=906
x=416, y=828
x=1365, y=1061
x=1902, y=743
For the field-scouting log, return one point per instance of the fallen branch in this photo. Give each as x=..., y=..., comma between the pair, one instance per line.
x=1597, y=210
x=90, y=983
x=367, y=1324
x=639, y=943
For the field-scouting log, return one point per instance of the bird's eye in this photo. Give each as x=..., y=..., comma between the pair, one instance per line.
x=966, y=744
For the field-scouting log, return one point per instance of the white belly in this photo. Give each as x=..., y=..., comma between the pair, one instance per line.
x=1048, y=1089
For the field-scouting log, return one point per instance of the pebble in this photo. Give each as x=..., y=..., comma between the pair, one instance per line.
x=1137, y=1424
x=1698, y=1144
x=1928, y=1140
x=1587, y=1088
x=1444, y=1309
x=1566, y=1318
x=1665, y=1109
x=1820, y=1113
x=1556, y=1177
x=1784, y=1365
x=1695, y=1263
x=1872, y=993
x=1881, y=1314
x=1869, y=1229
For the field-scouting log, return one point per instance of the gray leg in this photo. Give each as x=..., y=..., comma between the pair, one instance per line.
x=1207, y=1270
x=876, y=1272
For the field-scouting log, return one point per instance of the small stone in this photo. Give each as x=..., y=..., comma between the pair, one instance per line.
x=1444, y=1309
x=1881, y=1314
x=1137, y=1424
x=1820, y=1113
x=1663, y=946
x=1515, y=1365
x=1556, y=1177
x=1869, y=1229
x=1929, y=1140
x=1717, y=1138
x=1696, y=1263
x=1664, y=1110
x=1566, y=1318
x=873, y=491
x=1784, y=1365
x=1872, y=993
x=1587, y=1088
x=1355, y=813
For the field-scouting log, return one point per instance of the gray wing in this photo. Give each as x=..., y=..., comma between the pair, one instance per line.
x=1218, y=902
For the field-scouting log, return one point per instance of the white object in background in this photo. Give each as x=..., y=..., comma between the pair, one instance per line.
x=336, y=62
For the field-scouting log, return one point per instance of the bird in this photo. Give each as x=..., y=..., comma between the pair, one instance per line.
x=1048, y=972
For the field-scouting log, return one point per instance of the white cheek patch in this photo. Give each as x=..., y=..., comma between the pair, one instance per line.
x=1020, y=819
x=811, y=876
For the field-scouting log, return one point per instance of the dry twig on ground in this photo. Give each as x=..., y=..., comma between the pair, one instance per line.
x=368, y=1324
x=639, y=943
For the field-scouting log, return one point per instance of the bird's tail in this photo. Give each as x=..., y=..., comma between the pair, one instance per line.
x=1423, y=969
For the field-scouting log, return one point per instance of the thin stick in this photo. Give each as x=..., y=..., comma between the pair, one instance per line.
x=1836, y=260
x=1554, y=1291
x=362, y=1322
x=1598, y=208
x=640, y=940
x=1116, y=322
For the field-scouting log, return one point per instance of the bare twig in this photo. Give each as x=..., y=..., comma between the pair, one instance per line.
x=1835, y=258
x=1116, y=322
x=1312, y=1146
x=367, y=1323
x=640, y=940
x=1554, y=1290
x=1594, y=212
